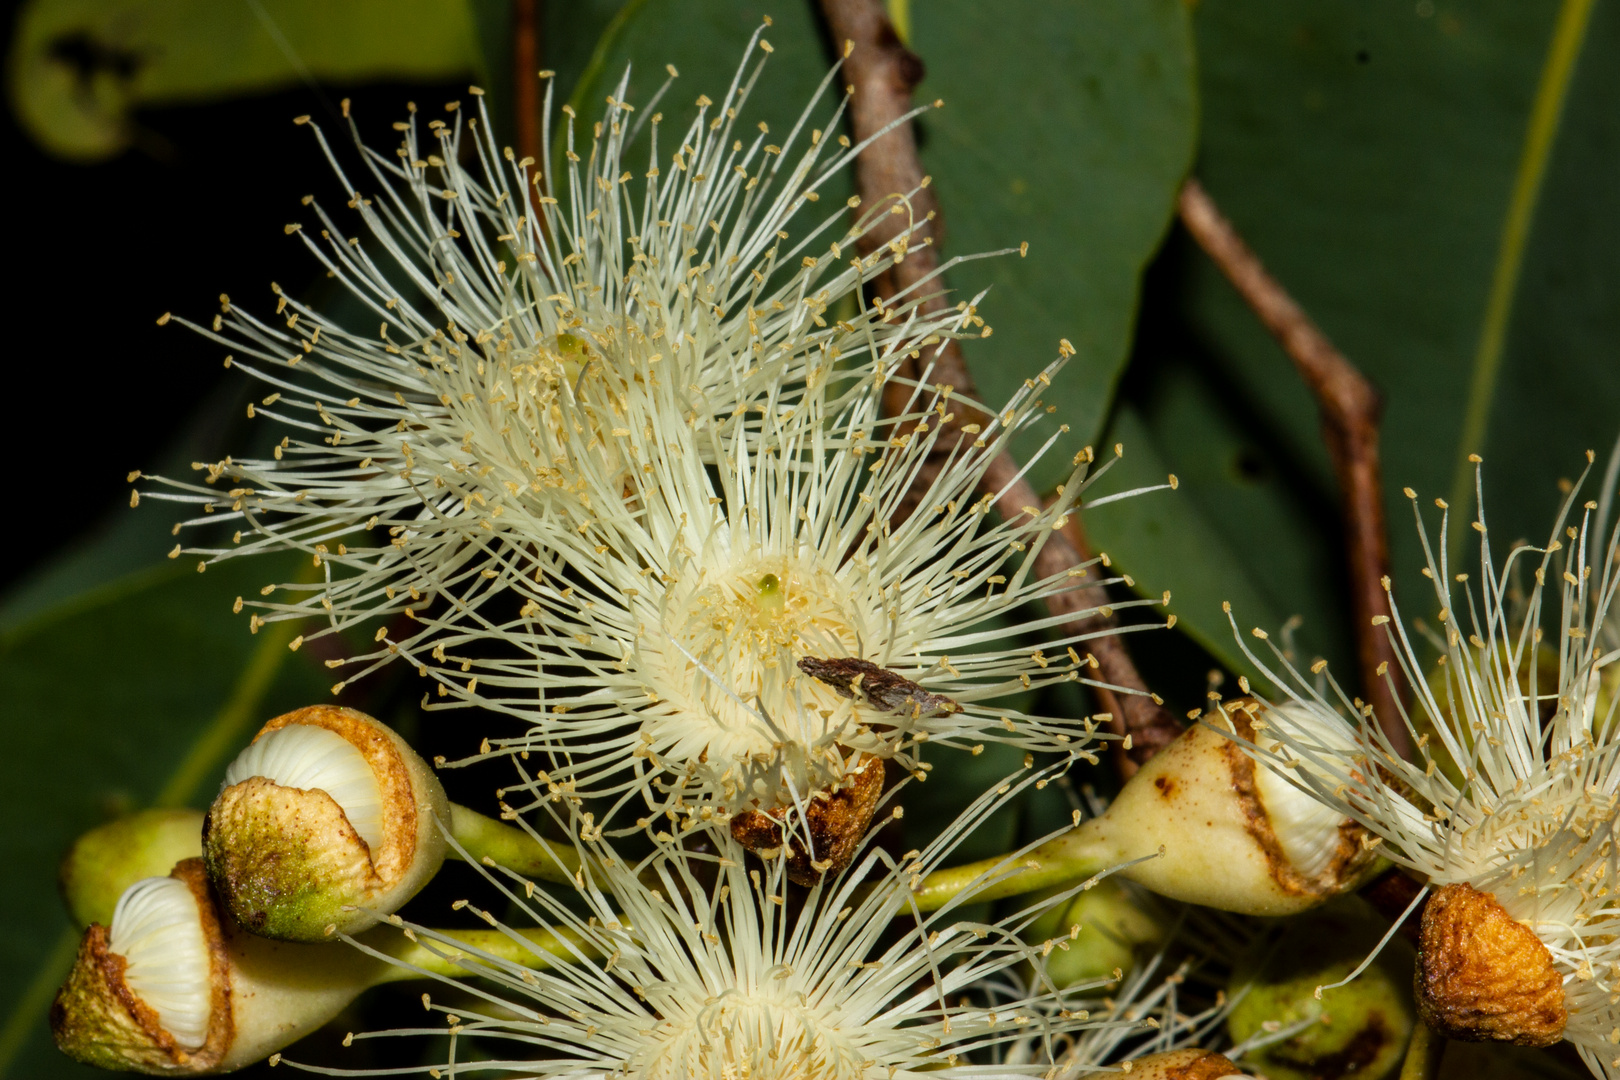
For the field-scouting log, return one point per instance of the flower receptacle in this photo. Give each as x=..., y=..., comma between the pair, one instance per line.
x=1227, y=832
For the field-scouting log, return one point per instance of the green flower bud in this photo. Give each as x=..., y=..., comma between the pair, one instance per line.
x=172, y=986
x=1362, y=1027
x=103, y=862
x=1098, y=933
x=325, y=824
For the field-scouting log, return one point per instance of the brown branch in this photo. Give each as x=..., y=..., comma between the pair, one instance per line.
x=526, y=16
x=1350, y=413
x=882, y=73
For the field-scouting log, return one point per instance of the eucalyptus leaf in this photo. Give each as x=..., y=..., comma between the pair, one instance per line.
x=1069, y=126
x=134, y=694
x=1166, y=543
x=78, y=68
x=1420, y=177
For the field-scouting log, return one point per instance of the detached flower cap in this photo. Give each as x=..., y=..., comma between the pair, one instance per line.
x=172, y=988
x=326, y=822
x=1521, y=939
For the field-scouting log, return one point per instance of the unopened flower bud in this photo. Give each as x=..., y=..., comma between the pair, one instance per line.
x=105, y=861
x=1360, y=1030
x=1097, y=932
x=325, y=824
x=1482, y=976
x=1232, y=834
x=1186, y=1064
x=172, y=987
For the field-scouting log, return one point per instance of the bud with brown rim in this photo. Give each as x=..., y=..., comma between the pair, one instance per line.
x=834, y=820
x=173, y=987
x=1232, y=836
x=325, y=824
x=1484, y=977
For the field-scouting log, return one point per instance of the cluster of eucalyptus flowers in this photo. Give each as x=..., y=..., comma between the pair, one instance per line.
x=634, y=471
x=620, y=472
x=1508, y=811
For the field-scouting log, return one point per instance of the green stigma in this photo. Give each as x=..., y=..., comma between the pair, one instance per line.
x=574, y=354
x=771, y=599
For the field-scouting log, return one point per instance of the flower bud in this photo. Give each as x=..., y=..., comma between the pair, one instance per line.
x=1360, y=1030
x=1099, y=931
x=103, y=862
x=1230, y=834
x=1187, y=1064
x=325, y=824
x=1482, y=976
x=173, y=987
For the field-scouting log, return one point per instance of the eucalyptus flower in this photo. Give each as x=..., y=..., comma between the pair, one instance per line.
x=325, y=822
x=521, y=315
x=1521, y=939
x=698, y=961
x=753, y=638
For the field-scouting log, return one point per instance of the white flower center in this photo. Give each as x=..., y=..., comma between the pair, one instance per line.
x=310, y=758
x=738, y=1037
x=157, y=929
x=725, y=669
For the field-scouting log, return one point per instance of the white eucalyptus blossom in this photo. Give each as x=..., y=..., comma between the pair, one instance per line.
x=743, y=637
x=1509, y=810
x=700, y=961
x=520, y=315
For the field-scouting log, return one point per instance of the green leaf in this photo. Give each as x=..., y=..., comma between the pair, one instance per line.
x=1433, y=183
x=1069, y=126
x=1165, y=542
x=135, y=694
x=79, y=67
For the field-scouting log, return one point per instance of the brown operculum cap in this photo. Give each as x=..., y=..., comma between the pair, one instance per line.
x=1190, y=1064
x=98, y=1020
x=1483, y=977
x=836, y=820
